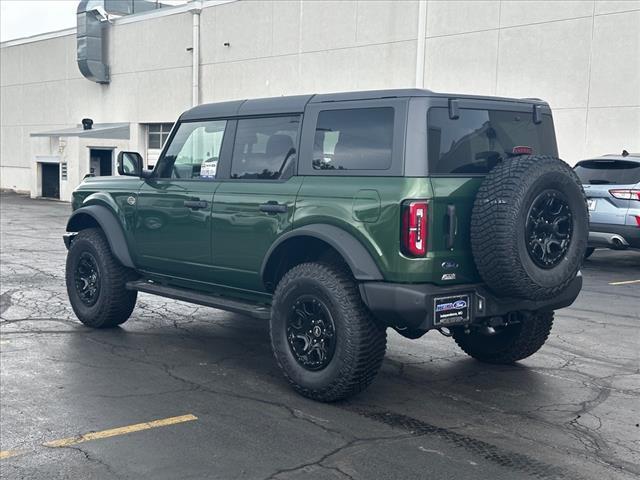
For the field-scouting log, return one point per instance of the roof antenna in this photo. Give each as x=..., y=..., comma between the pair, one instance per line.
x=625, y=153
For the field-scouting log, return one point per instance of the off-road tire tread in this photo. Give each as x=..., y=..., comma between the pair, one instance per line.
x=116, y=309
x=533, y=334
x=366, y=342
x=494, y=223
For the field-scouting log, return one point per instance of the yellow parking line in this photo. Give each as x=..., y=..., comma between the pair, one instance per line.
x=9, y=453
x=626, y=282
x=65, y=442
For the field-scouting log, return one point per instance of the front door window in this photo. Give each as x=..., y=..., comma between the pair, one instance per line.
x=194, y=151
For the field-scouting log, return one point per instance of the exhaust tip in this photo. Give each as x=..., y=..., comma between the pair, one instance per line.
x=618, y=242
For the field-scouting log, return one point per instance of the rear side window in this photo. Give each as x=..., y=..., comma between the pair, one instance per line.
x=476, y=141
x=608, y=172
x=354, y=139
x=264, y=147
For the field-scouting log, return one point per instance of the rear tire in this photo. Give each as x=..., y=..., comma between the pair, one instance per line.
x=96, y=282
x=510, y=343
x=324, y=339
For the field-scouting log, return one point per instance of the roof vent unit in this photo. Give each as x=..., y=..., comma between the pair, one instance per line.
x=93, y=18
x=91, y=42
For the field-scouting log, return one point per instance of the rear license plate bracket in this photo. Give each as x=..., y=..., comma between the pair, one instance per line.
x=451, y=310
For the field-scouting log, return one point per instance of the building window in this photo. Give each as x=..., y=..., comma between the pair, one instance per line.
x=158, y=134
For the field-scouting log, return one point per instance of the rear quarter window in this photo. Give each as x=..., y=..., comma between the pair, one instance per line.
x=354, y=139
x=608, y=172
x=476, y=141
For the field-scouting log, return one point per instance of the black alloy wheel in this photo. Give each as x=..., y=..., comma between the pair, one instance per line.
x=549, y=228
x=87, y=279
x=311, y=333
x=325, y=340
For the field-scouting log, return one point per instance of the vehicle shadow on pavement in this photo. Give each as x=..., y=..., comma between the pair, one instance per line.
x=233, y=349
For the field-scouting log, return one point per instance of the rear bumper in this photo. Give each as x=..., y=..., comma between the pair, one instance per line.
x=412, y=305
x=618, y=237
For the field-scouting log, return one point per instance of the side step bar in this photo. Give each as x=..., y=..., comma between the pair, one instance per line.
x=223, y=303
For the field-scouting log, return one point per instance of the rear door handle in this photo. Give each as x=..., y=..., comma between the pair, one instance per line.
x=273, y=207
x=196, y=204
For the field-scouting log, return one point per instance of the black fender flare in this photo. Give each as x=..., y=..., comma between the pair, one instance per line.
x=351, y=249
x=111, y=227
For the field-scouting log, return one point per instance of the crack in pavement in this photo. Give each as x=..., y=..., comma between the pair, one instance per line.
x=333, y=452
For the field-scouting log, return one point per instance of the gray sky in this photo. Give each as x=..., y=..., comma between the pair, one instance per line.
x=23, y=18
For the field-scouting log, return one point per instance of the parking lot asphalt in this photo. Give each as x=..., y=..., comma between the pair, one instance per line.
x=182, y=391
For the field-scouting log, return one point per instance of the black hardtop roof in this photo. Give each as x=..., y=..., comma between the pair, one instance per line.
x=297, y=103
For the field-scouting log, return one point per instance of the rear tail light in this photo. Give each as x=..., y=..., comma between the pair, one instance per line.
x=414, y=228
x=637, y=220
x=626, y=194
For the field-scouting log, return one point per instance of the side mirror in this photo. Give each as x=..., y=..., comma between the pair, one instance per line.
x=130, y=164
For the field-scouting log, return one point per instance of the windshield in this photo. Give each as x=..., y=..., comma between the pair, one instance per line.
x=476, y=141
x=608, y=172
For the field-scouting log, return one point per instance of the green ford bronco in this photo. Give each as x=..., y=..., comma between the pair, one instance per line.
x=335, y=216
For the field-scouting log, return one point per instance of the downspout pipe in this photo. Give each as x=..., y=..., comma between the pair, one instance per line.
x=421, y=42
x=195, y=52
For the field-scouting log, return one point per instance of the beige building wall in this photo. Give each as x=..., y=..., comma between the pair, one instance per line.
x=583, y=57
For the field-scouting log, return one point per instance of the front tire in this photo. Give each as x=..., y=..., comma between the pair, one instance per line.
x=323, y=337
x=96, y=282
x=509, y=343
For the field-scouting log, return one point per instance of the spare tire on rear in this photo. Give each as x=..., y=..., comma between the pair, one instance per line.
x=529, y=227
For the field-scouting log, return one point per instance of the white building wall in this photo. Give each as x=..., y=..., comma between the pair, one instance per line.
x=581, y=56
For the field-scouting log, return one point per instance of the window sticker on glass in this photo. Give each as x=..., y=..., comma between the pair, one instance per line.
x=208, y=169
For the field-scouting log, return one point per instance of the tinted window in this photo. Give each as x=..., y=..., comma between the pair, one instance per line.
x=264, y=147
x=194, y=151
x=608, y=172
x=479, y=139
x=356, y=139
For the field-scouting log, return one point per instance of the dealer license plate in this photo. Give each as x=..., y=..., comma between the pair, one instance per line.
x=451, y=310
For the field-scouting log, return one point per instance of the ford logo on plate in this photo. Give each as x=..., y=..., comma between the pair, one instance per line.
x=460, y=304
x=450, y=265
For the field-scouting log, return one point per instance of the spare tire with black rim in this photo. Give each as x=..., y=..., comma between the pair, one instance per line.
x=529, y=227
